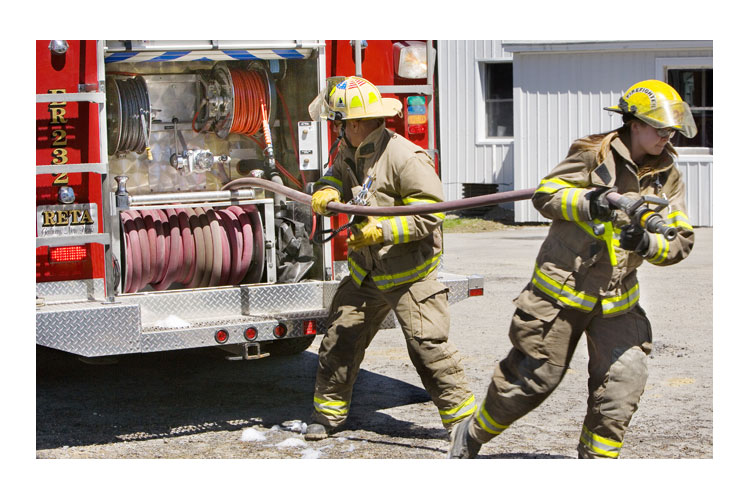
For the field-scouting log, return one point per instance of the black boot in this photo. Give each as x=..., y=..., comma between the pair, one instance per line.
x=462, y=444
x=316, y=432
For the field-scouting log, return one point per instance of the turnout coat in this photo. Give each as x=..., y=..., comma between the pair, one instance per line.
x=577, y=269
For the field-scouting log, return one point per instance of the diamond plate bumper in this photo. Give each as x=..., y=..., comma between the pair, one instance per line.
x=180, y=319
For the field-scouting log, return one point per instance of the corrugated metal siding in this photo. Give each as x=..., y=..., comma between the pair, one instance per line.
x=558, y=97
x=462, y=159
x=697, y=173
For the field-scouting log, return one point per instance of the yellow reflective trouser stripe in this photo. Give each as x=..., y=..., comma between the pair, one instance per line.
x=331, y=407
x=331, y=181
x=487, y=423
x=561, y=292
x=678, y=219
x=458, y=412
x=621, y=302
x=552, y=186
x=422, y=201
x=385, y=281
x=356, y=272
x=599, y=444
x=400, y=229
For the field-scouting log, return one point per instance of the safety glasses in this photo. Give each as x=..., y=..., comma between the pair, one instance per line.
x=665, y=132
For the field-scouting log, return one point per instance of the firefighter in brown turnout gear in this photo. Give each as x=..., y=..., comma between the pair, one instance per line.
x=392, y=261
x=584, y=279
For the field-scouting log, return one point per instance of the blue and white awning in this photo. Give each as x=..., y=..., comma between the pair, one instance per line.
x=205, y=55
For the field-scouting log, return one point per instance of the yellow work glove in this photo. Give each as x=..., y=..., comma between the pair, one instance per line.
x=321, y=198
x=368, y=234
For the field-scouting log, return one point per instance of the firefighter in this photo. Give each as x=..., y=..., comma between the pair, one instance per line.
x=392, y=261
x=585, y=280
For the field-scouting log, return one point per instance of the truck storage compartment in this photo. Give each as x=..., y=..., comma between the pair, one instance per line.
x=178, y=130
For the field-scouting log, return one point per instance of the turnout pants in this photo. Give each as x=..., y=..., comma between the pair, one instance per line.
x=355, y=317
x=542, y=349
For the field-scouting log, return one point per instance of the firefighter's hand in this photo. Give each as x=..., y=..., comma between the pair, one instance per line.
x=321, y=199
x=634, y=239
x=370, y=233
x=599, y=206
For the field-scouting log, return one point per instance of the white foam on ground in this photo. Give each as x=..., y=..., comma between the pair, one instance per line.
x=252, y=435
x=311, y=454
x=292, y=443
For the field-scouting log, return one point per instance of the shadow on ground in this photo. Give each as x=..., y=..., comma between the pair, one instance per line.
x=168, y=394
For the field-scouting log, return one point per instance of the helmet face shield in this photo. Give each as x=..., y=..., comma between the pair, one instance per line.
x=674, y=114
x=319, y=108
x=659, y=105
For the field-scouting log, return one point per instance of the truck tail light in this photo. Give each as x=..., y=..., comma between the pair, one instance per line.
x=221, y=336
x=476, y=292
x=279, y=331
x=410, y=59
x=251, y=333
x=416, y=115
x=310, y=327
x=67, y=254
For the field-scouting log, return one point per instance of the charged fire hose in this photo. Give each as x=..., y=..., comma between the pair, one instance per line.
x=199, y=248
x=344, y=208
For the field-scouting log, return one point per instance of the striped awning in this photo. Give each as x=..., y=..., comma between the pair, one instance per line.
x=205, y=55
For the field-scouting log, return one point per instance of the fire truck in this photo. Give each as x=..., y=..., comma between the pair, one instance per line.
x=139, y=245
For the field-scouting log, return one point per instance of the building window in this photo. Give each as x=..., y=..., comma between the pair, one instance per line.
x=696, y=87
x=498, y=99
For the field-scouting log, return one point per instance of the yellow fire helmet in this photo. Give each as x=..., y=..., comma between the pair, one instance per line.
x=352, y=98
x=659, y=105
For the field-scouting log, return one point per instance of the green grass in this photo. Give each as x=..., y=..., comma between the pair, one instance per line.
x=470, y=225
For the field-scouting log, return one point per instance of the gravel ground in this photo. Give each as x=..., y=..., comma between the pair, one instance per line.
x=197, y=404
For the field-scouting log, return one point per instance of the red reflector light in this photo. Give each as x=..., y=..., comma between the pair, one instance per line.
x=67, y=254
x=279, y=331
x=251, y=333
x=221, y=336
x=416, y=129
x=476, y=292
x=310, y=327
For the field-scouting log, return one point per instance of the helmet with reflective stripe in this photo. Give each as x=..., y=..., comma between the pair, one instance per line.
x=657, y=104
x=352, y=98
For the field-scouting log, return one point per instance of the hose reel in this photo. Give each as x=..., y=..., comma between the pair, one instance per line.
x=232, y=100
x=128, y=115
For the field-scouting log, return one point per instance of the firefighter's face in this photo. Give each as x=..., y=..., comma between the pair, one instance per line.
x=647, y=140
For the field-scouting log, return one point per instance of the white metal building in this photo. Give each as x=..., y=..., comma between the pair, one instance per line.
x=510, y=110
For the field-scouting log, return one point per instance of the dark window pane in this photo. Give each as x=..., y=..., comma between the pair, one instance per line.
x=500, y=81
x=696, y=87
x=500, y=119
x=499, y=99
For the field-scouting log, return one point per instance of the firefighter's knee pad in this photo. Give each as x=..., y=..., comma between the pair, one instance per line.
x=624, y=384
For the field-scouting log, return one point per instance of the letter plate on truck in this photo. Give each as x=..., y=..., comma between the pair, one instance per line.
x=63, y=220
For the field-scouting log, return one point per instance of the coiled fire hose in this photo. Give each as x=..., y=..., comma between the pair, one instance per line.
x=250, y=97
x=130, y=108
x=194, y=247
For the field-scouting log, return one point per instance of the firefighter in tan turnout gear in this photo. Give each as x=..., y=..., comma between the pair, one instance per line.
x=392, y=261
x=585, y=279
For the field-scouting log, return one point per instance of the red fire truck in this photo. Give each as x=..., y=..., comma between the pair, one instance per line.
x=139, y=245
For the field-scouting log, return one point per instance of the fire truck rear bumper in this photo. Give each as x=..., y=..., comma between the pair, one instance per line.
x=170, y=320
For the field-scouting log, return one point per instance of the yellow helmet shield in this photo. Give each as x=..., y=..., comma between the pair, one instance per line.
x=659, y=105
